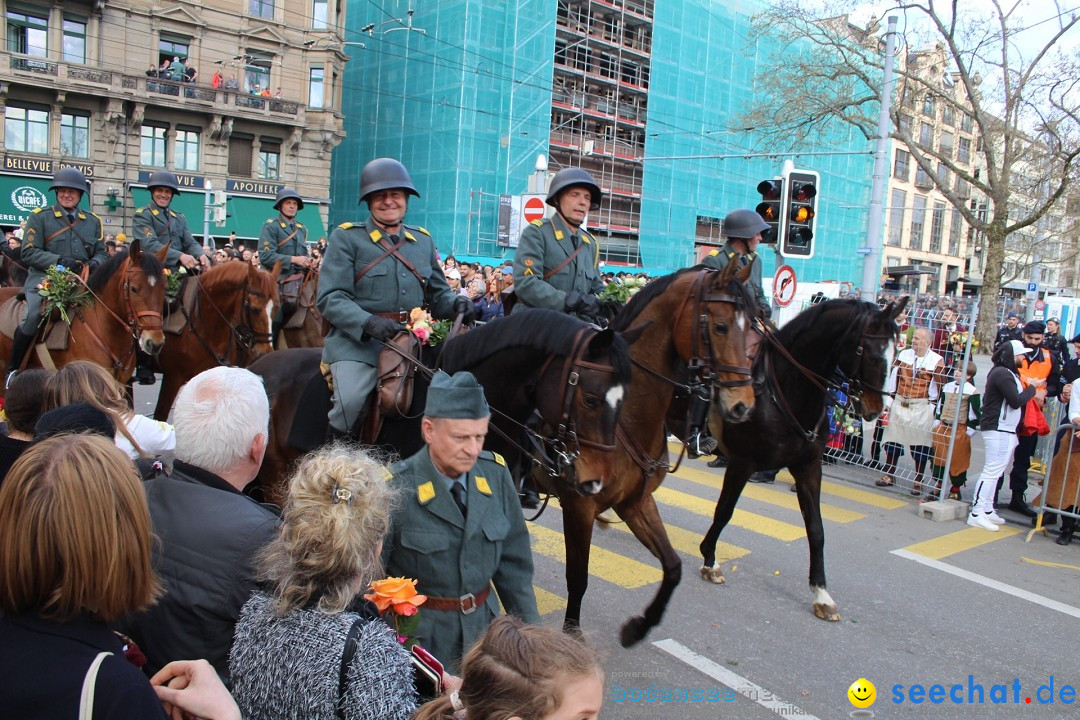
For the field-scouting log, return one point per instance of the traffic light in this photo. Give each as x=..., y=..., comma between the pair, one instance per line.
x=219, y=213
x=799, y=214
x=771, y=209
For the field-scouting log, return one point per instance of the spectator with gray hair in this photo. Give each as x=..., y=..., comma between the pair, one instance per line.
x=209, y=531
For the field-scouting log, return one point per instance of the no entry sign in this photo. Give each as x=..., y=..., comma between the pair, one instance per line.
x=533, y=209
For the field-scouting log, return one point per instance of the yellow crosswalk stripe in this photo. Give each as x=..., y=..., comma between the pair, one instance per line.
x=604, y=564
x=966, y=539
x=741, y=518
x=782, y=498
x=548, y=602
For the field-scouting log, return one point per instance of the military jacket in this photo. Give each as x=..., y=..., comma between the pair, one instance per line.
x=719, y=259
x=274, y=247
x=451, y=556
x=156, y=228
x=543, y=246
x=388, y=287
x=83, y=242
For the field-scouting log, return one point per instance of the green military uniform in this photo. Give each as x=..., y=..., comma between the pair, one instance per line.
x=451, y=556
x=389, y=287
x=282, y=239
x=719, y=259
x=156, y=227
x=53, y=233
x=543, y=246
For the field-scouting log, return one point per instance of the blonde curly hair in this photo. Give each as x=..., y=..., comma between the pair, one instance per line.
x=334, y=520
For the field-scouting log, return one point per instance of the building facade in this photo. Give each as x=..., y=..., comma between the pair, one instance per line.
x=239, y=96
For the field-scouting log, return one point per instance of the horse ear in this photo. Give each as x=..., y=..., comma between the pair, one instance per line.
x=277, y=269
x=601, y=341
x=632, y=335
x=135, y=250
x=744, y=274
x=162, y=254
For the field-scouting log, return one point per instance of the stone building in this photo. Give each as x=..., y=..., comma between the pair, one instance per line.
x=240, y=96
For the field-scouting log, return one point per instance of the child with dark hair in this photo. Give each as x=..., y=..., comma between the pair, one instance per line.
x=22, y=406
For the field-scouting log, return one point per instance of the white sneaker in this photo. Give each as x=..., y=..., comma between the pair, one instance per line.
x=995, y=518
x=982, y=521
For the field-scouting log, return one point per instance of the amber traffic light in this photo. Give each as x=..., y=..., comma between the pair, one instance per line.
x=771, y=209
x=800, y=214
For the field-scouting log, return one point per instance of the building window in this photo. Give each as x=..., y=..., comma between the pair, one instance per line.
x=922, y=179
x=316, y=81
x=945, y=144
x=27, y=34
x=240, y=156
x=926, y=135
x=172, y=46
x=74, y=41
x=954, y=233
x=963, y=150
x=902, y=165
x=26, y=130
x=943, y=175
x=928, y=105
x=153, y=146
x=948, y=115
x=918, y=213
x=269, y=162
x=74, y=136
x=896, y=217
x=261, y=8
x=257, y=72
x=905, y=125
x=319, y=14
x=937, y=227
x=186, y=149
x=966, y=122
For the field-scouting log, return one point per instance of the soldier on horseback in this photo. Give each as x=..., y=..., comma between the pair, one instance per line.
x=373, y=275
x=283, y=239
x=157, y=225
x=58, y=235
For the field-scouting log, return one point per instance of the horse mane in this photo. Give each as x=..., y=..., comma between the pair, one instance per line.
x=234, y=274
x=808, y=319
x=638, y=302
x=148, y=262
x=546, y=331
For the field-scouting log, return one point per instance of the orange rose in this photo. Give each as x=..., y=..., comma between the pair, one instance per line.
x=398, y=593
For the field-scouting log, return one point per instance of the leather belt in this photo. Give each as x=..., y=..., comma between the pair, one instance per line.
x=467, y=603
x=400, y=316
x=908, y=402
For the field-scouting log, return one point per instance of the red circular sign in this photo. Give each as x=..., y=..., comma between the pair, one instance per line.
x=1040, y=305
x=534, y=209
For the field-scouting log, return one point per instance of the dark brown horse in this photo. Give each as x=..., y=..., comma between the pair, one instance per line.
x=127, y=293
x=572, y=372
x=228, y=325
x=695, y=317
x=304, y=328
x=832, y=344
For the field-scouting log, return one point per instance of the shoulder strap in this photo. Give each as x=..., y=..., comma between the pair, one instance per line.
x=289, y=238
x=61, y=231
x=86, y=700
x=569, y=259
x=352, y=641
x=391, y=250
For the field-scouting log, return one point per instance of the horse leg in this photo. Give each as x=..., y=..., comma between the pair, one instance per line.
x=578, y=516
x=170, y=386
x=644, y=521
x=735, y=477
x=808, y=487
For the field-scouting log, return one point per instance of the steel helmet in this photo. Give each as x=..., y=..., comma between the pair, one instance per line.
x=163, y=178
x=569, y=177
x=743, y=224
x=385, y=174
x=286, y=194
x=69, y=177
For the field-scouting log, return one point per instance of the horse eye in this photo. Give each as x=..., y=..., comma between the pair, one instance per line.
x=134, y=290
x=720, y=328
x=592, y=401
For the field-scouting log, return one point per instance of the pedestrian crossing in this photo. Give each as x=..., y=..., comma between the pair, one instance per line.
x=687, y=501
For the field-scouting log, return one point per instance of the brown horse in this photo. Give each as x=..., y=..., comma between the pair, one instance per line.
x=127, y=293
x=228, y=325
x=696, y=317
x=304, y=328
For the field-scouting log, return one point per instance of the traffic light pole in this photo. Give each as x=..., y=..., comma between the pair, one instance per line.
x=875, y=225
x=208, y=244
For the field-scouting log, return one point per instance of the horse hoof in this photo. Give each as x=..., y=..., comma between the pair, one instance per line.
x=826, y=612
x=633, y=631
x=714, y=574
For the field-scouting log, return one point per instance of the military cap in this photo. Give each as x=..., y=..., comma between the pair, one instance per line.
x=456, y=396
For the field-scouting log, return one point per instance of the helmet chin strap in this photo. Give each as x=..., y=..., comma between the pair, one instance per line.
x=568, y=221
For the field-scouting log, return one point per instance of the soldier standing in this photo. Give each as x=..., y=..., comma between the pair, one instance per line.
x=284, y=239
x=555, y=265
x=374, y=273
x=61, y=234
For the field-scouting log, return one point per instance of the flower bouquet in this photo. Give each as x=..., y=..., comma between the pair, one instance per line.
x=959, y=339
x=621, y=292
x=62, y=290
x=427, y=331
x=173, y=280
x=398, y=604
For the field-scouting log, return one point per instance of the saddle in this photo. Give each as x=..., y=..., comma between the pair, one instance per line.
x=289, y=290
x=56, y=334
x=302, y=305
x=181, y=307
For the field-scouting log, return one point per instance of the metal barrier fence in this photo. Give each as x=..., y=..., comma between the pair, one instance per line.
x=1060, y=497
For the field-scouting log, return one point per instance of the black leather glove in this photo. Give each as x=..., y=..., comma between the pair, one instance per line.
x=93, y=265
x=71, y=264
x=466, y=308
x=588, y=305
x=381, y=328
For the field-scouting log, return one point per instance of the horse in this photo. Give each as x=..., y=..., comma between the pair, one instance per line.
x=127, y=292
x=574, y=373
x=303, y=329
x=697, y=317
x=849, y=340
x=228, y=324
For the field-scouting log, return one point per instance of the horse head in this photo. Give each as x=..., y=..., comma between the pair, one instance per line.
x=260, y=303
x=711, y=331
x=585, y=413
x=867, y=368
x=132, y=284
x=239, y=309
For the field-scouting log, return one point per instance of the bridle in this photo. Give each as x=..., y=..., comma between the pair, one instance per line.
x=243, y=337
x=136, y=321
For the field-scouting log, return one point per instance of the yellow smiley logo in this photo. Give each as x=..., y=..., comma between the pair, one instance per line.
x=862, y=693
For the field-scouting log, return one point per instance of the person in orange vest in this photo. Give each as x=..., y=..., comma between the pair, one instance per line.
x=1039, y=368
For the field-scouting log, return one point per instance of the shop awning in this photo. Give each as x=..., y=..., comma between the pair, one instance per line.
x=897, y=270
x=20, y=195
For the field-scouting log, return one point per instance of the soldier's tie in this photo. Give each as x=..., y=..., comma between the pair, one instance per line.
x=458, y=491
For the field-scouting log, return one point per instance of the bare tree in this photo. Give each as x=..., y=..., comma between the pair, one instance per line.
x=1023, y=101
